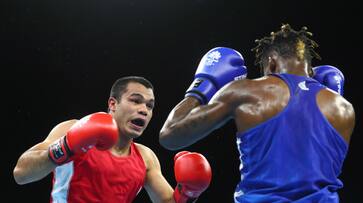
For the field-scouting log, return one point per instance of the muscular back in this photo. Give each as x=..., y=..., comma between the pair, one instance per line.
x=256, y=101
x=338, y=111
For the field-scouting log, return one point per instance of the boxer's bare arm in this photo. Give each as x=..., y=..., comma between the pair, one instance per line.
x=34, y=164
x=188, y=122
x=156, y=185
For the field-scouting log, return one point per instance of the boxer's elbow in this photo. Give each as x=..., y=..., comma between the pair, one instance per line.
x=19, y=176
x=167, y=141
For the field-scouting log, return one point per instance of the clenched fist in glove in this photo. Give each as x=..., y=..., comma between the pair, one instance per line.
x=193, y=175
x=98, y=129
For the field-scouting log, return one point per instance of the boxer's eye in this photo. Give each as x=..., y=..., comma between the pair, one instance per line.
x=150, y=105
x=136, y=101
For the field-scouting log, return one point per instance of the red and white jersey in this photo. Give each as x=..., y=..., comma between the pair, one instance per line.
x=99, y=176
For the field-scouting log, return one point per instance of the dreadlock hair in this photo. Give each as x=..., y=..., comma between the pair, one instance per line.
x=287, y=42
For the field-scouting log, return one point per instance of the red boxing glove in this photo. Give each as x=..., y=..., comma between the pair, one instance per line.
x=98, y=129
x=193, y=175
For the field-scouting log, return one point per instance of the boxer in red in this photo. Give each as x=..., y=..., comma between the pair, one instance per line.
x=95, y=159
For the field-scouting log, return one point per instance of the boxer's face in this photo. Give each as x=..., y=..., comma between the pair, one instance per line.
x=134, y=110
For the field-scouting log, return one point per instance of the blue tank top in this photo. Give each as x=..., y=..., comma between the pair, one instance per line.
x=296, y=155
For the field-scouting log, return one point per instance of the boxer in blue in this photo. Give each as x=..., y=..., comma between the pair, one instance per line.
x=293, y=131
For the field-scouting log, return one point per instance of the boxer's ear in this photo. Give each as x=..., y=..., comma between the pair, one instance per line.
x=112, y=104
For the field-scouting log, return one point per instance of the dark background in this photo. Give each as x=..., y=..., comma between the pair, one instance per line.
x=60, y=58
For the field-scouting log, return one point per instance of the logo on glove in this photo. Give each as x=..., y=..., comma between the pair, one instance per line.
x=212, y=58
x=338, y=79
x=57, y=150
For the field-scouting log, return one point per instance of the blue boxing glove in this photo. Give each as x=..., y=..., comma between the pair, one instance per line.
x=218, y=67
x=330, y=76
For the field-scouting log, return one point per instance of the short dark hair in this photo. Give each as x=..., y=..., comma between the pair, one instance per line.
x=287, y=42
x=119, y=86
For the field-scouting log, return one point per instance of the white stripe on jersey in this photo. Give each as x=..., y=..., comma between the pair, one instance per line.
x=63, y=175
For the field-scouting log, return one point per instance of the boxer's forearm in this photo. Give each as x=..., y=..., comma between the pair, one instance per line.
x=188, y=122
x=33, y=165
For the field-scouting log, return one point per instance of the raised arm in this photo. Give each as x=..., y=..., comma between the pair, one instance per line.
x=34, y=163
x=188, y=121
x=64, y=141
